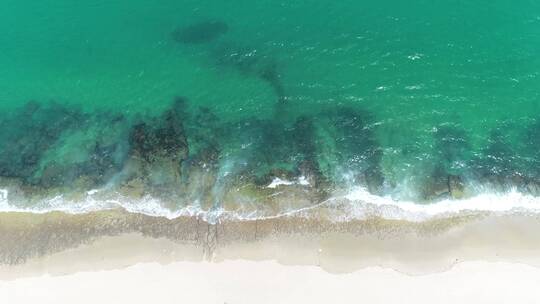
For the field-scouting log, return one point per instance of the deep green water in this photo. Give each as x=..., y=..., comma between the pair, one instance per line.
x=419, y=90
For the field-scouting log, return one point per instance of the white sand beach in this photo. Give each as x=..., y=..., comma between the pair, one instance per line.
x=493, y=260
x=241, y=281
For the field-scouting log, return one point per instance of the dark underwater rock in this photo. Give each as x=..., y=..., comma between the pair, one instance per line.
x=435, y=188
x=441, y=185
x=259, y=146
x=304, y=141
x=532, y=188
x=358, y=140
x=204, y=132
x=244, y=59
x=452, y=154
x=252, y=62
x=279, y=173
x=270, y=74
x=496, y=164
x=452, y=148
x=162, y=138
x=202, y=32
x=529, y=151
x=357, y=150
x=87, y=156
x=201, y=171
x=261, y=150
x=33, y=129
x=456, y=186
x=374, y=180
x=157, y=149
x=506, y=163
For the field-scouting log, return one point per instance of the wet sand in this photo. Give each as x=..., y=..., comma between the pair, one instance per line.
x=285, y=260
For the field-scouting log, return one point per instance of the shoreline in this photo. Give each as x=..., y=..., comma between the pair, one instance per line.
x=486, y=259
x=78, y=243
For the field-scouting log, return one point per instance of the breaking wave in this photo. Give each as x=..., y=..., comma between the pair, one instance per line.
x=356, y=204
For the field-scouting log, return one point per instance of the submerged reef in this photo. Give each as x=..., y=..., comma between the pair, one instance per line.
x=156, y=150
x=348, y=150
x=451, y=162
x=459, y=170
x=498, y=165
x=28, y=133
x=185, y=155
x=189, y=156
x=90, y=153
x=249, y=60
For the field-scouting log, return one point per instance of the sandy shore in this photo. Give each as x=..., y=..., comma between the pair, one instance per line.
x=237, y=282
x=57, y=258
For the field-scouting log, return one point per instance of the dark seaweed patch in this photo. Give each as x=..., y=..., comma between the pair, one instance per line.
x=452, y=147
x=452, y=159
x=260, y=145
x=304, y=142
x=29, y=133
x=202, y=32
x=357, y=140
x=253, y=63
x=89, y=154
x=245, y=59
x=303, y=138
x=157, y=149
x=497, y=164
x=358, y=148
x=271, y=75
x=189, y=152
x=162, y=137
x=531, y=149
x=204, y=133
x=498, y=157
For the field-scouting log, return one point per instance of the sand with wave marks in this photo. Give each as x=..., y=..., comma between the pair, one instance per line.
x=336, y=247
x=84, y=259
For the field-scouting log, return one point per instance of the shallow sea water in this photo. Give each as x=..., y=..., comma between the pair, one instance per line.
x=440, y=88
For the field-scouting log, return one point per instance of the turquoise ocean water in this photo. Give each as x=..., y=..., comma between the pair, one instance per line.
x=418, y=101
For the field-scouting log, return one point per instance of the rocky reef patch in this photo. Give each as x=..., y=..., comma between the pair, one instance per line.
x=185, y=156
x=189, y=156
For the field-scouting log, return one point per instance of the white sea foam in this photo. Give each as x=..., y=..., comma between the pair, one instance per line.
x=92, y=192
x=4, y=199
x=147, y=205
x=360, y=201
x=279, y=182
x=3, y=194
x=357, y=203
x=302, y=180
